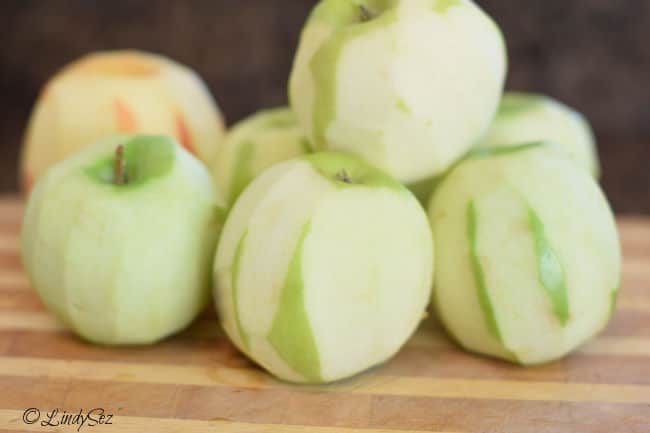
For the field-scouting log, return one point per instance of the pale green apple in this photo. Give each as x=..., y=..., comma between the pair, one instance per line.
x=324, y=268
x=408, y=85
x=255, y=144
x=123, y=262
x=526, y=117
x=529, y=261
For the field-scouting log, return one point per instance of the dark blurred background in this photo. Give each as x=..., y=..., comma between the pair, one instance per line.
x=591, y=54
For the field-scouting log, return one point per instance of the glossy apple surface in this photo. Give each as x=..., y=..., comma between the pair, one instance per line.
x=408, y=85
x=324, y=268
x=130, y=263
x=528, y=262
x=119, y=92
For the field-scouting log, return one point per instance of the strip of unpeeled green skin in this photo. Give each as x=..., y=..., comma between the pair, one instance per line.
x=613, y=302
x=516, y=103
x=401, y=106
x=291, y=334
x=424, y=189
x=305, y=146
x=551, y=272
x=489, y=152
x=324, y=64
x=146, y=158
x=279, y=118
x=479, y=275
x=442, y=6
x=235, y=290
x=243, y=175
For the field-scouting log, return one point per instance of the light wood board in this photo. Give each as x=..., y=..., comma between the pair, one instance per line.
x=198, y=382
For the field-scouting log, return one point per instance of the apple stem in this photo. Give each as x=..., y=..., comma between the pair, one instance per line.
x=343, y=176
x=366, y=15
x=120, y=175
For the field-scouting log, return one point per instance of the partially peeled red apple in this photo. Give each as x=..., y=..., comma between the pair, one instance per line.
x=119, y=92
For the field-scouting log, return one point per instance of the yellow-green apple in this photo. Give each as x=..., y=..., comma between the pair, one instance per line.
x=119, y=239
x=408, y=85
x=532, y=264
x=324, y=268
x=255, y=144
x=526, y=117
x=119, y=92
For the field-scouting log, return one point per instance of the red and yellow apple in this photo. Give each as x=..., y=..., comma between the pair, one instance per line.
x=119, y=92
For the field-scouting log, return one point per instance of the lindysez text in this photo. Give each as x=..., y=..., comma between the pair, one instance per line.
x=56, y=417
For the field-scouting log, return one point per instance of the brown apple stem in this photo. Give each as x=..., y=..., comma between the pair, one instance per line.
x=366, y=15
x=343, y=176
x=120, y=175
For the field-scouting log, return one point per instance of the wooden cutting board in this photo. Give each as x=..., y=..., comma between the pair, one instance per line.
x=197, y=381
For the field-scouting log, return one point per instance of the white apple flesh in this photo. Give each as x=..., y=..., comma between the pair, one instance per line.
x=123, y=263
x=527, y=117
x=124, y=92
x=529, y=261
x=255, y=144
x=324, y=268
x=408, y=85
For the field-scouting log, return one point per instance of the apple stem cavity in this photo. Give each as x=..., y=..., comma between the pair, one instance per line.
x=366, y=15
x=343, y=176
x=120, y=172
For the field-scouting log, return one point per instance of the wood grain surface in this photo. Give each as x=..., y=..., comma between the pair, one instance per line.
x=198, y=382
